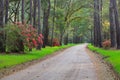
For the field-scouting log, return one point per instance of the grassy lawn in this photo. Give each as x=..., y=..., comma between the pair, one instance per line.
x=12, y=60
x=113, y=56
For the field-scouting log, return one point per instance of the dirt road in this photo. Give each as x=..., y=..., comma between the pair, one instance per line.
x=72, y=64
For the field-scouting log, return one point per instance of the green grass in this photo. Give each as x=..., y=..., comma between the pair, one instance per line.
x=9, y=60
x=113, y=56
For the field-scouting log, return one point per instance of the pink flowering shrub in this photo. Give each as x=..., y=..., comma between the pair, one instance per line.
x=106, y=44
x=56, y=42
x=21, y=37
x=31, y=39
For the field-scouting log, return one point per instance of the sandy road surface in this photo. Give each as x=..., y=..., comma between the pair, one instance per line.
x=72, y=64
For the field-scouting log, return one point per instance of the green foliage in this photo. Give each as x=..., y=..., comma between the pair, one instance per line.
x=44, y=4
x=112, y=56
x=12, y=60
x=17, y=34
x=13, y=36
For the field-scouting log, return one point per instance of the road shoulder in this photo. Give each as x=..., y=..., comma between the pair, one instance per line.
x=13, y=69
x=103, y=70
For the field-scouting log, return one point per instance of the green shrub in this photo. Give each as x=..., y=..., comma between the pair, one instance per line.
x=13, y=38
x=20, y=37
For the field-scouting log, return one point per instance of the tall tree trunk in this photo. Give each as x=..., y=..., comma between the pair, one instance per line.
x=34, y=13
x=91, y=33
x=39, y=19
x=31, y=11
x=116, y=23
x=21, y=46
x=16, y=12
x=95, y=20
x=45, y=24
x=75, y=35
x=2, y=45
x=112, y=25
x=97, y=24
x=119, y=7
x=101, y=21
x=6, y=13
x=53, y=24
x=39, y=24
x=23, y=12
x=61, y=38
x=66, y=39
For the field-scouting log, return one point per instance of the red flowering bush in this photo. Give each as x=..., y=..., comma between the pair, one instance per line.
x=40, y=39
x=31, y=38
x=106, y=44
x=21, y=36
x=56, y=42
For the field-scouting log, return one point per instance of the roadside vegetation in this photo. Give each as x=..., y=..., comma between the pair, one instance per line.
x=111, y=56
x=8, y=60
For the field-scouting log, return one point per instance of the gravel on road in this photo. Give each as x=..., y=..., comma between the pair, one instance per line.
x=75, y=63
